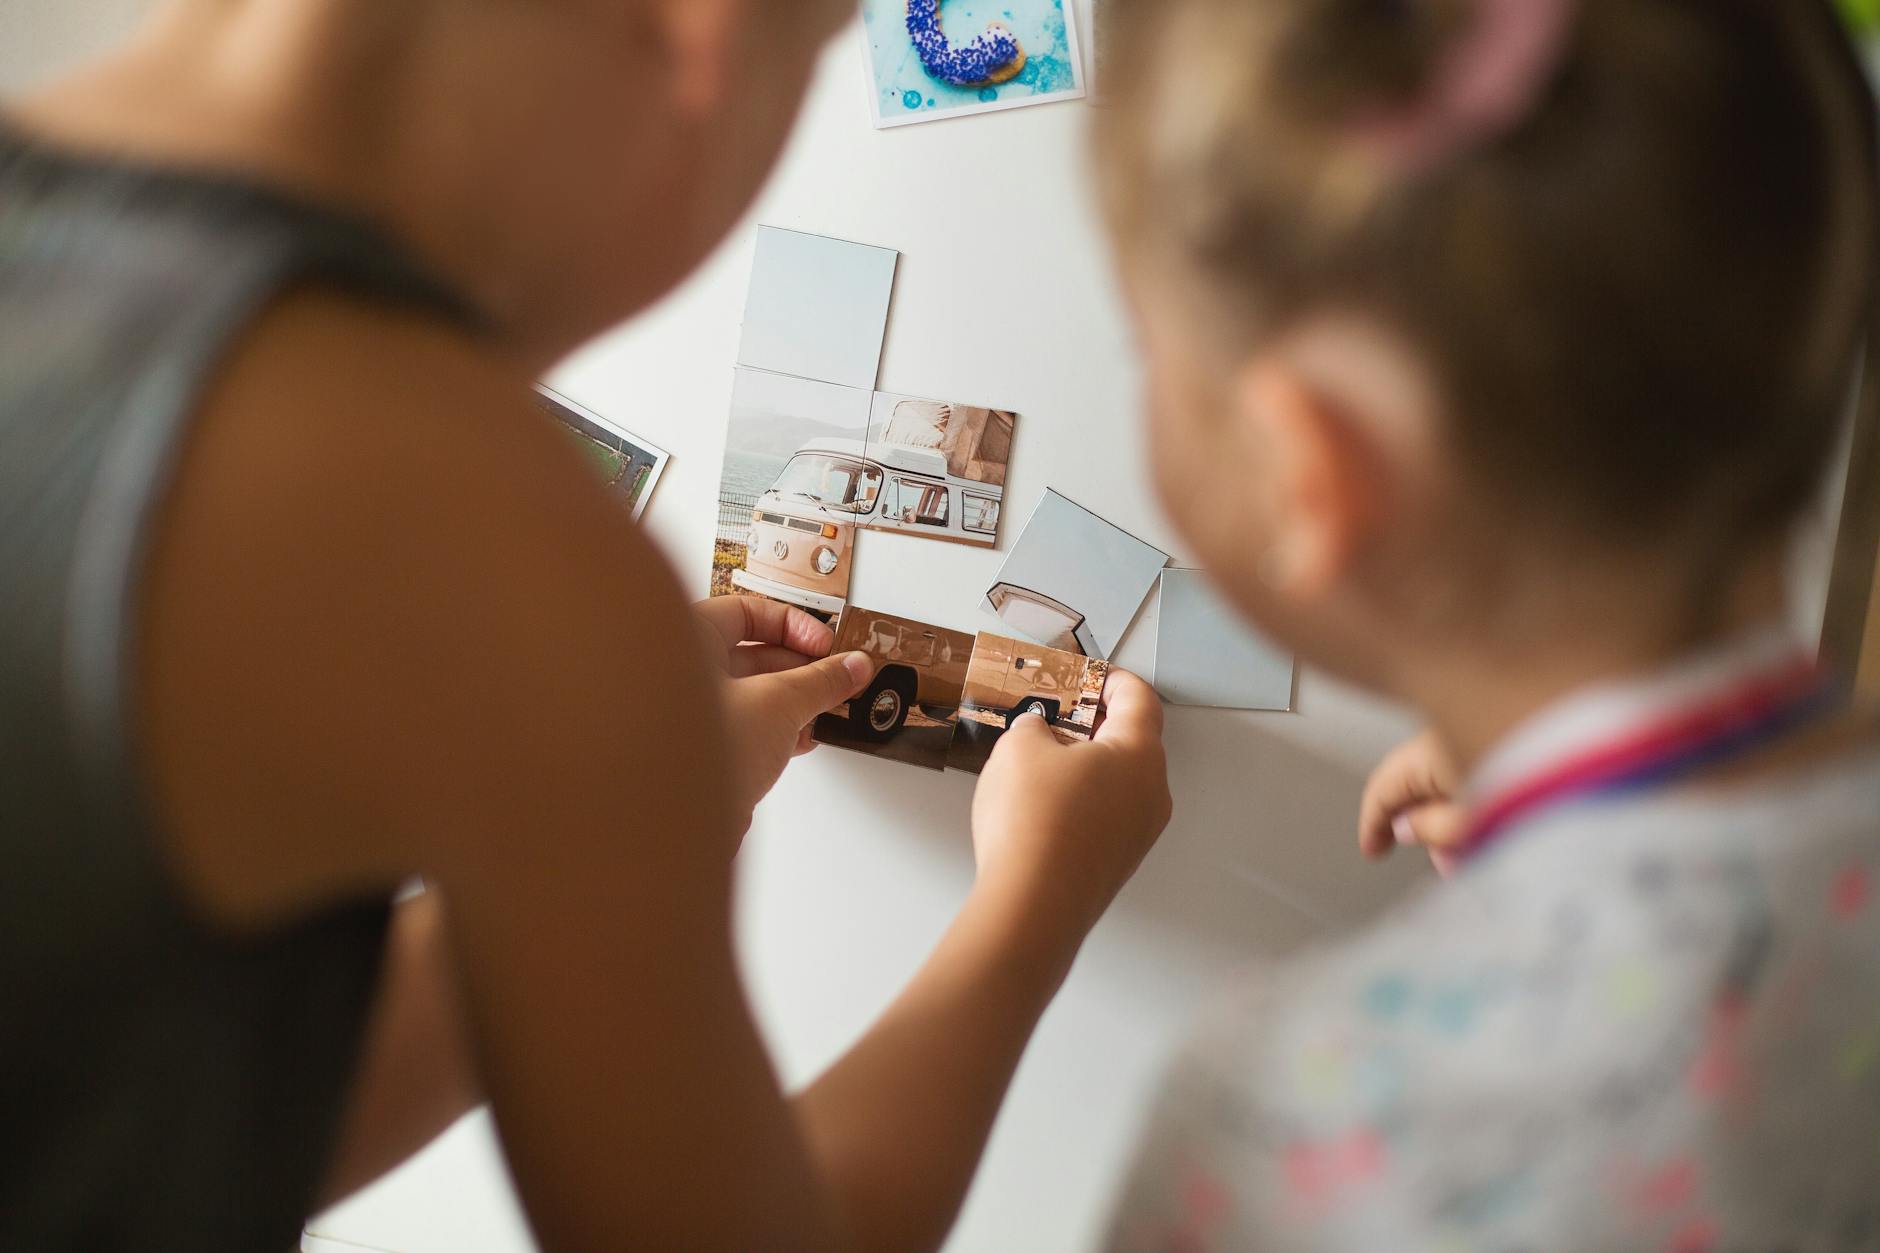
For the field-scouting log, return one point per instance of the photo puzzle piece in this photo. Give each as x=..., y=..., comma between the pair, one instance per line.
x=942, y=468
x=1207, y=655
x=1074, y=581
x=933, y=59
x=817, y=307
x=908, y=712
x=794, y=485
x=1010, y=678
x=629, y=465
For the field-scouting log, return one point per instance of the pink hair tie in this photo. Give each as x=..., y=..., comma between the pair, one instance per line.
x=1487, y=82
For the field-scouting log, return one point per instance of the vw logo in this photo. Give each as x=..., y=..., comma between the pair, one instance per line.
x=780, y=550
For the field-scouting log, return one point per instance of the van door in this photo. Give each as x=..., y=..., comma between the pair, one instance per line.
x=917, y=647
x=1020, y=680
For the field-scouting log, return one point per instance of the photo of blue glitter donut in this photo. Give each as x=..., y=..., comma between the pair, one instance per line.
x=1002, y=54
x=994, y=57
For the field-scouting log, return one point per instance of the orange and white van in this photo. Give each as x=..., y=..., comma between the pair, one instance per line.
x=918, y=667
x=802, y=540
x=802, y=537
x=1011, y=678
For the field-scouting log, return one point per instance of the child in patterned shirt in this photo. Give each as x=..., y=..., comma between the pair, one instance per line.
x=1496, y=347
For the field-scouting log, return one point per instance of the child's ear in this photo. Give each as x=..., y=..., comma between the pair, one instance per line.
x=1322, y=477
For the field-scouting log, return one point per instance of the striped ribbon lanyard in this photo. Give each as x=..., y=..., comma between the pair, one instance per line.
x=1749, y=715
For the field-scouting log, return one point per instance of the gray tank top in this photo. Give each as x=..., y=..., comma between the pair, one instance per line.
x=162, y=1085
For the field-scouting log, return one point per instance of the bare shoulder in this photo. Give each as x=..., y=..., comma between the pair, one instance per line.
x=386, y=600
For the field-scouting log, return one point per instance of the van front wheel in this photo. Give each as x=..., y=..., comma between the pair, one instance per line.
x=882, y=710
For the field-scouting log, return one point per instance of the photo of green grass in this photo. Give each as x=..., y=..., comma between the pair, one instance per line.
x=629, y=466
x=623, y=472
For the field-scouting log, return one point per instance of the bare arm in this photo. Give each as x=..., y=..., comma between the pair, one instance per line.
x=899, y=1123
x=416, y=1076
x=902, y=1120
x=495, y=683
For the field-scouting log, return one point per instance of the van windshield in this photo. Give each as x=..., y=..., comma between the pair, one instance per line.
x=833, y=482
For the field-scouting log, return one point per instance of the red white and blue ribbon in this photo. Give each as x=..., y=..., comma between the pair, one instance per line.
x=1749, y=714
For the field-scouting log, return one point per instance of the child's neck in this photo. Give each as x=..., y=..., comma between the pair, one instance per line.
x=1478, y=695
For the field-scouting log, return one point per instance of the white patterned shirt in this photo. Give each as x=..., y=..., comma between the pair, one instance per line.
x=1648, y=1022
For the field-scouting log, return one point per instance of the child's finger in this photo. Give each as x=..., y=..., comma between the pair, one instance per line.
x=1411, y=775
x=1438, y=830
x=1030, y=726
x=753, y=620
x=795, y=697
x=1132, y=712
x=748, y=659
x=1439, y=827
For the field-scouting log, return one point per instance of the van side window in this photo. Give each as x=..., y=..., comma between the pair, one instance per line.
x=910, y=501
x=867, y=487
x=981, y=513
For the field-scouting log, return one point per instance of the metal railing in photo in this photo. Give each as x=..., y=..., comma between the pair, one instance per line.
x=734, y=516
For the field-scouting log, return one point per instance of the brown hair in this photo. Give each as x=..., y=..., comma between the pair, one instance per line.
x=1641, y=299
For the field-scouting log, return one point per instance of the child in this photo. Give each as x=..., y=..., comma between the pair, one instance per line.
x=1495, y=347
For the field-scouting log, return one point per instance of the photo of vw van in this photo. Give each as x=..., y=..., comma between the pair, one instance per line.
x=907, y=712
x=809, y=465
x=1009, y=679
x=943, y=468
x=802, y=537
x=802, y=542
x=789, y=489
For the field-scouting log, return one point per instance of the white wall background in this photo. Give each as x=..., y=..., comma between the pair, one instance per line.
x=38, y=38
x=855, y=866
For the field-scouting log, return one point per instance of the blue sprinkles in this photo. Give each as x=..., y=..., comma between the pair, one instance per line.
x=974, y=65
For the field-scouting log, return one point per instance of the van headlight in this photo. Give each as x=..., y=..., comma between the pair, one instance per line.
x=750, y=541
x=826, y=561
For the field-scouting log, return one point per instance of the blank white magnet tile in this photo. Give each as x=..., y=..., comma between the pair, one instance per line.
x=1206, y=654
x=818, y=308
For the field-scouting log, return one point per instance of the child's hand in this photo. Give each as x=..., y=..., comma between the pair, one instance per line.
x=1066, y=825
x=781, y=677
x=1411, y=800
